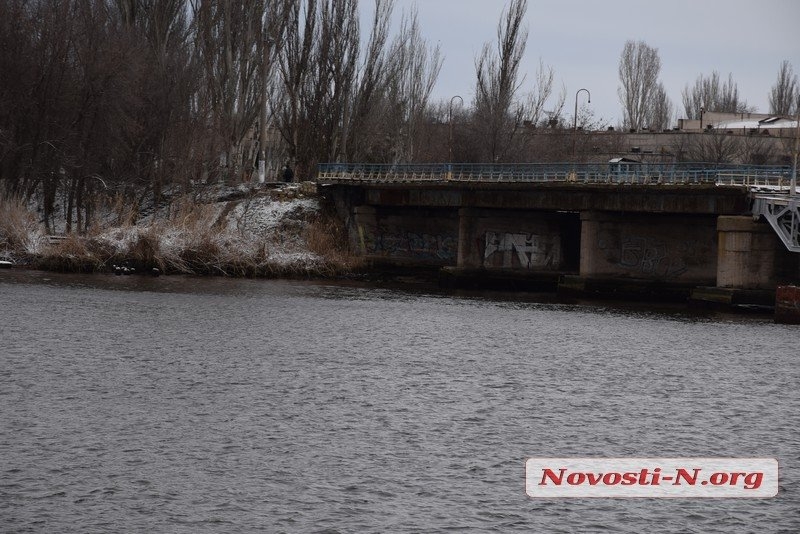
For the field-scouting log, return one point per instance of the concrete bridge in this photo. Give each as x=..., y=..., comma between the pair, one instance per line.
x=623, y=228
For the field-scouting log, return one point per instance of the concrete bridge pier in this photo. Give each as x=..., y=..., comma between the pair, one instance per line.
x=405, y=236
x=752, y=263
x=751, y=256
x=516, y=239
x=644, y=255
x=365, y=222
x=513, y=249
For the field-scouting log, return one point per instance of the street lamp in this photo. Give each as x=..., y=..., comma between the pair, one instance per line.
x=793, y=183
x=262, y=160
x=575, y=116
x=450, y=122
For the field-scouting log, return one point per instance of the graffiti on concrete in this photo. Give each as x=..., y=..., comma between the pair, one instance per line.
x=527, y=251
x=655, y=257
x=399, y=243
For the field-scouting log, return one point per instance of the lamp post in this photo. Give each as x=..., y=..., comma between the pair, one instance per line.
x=262, y=160
x=575, y=117
x=793, y=182
x=450, y=123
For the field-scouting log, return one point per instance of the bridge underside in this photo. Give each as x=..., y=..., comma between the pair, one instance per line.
x=657, y=238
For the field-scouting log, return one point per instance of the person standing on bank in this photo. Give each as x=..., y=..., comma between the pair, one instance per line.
x=288, y=174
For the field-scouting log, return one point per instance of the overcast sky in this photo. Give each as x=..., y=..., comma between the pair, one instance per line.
x=582, y=41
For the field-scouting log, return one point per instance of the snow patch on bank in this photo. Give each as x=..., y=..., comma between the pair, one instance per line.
x=263, y=216
x=267, y=227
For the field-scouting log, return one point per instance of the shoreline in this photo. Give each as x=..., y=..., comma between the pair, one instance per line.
x=290, y=232
x=280, y=230
x=423, y=282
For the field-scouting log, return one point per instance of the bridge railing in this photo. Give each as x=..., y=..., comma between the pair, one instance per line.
x=755, y=179
x=600, y=173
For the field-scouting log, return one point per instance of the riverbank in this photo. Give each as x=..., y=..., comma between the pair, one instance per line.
x=279, y=231
x=285, y=231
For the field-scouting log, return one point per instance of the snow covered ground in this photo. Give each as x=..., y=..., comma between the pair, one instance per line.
x=239, y=229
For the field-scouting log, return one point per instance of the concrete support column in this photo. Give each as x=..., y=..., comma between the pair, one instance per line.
x=748, y=253
x=514, y=239
x=469, y=255
x=366, y=224
x=590, y=258
x=661, y=247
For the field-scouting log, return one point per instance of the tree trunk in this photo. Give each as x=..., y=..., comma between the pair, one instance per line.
x=70, y=206
x=79, y=203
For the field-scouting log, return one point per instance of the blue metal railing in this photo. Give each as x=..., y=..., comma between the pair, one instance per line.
x=618, y=173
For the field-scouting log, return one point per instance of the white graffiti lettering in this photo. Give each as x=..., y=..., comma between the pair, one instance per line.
x=530, y=250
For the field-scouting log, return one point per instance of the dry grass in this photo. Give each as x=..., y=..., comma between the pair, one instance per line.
x=144, y=252
x=17, y=225
x=193, y=239
x=187, y=214
x=327, y=237
x=125, y=210
x=73, y=254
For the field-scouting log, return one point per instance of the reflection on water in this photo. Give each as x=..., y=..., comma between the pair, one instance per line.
x=210, y=405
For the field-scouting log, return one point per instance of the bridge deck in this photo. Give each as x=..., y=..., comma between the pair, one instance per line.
x=775, y=178
x=769, y=185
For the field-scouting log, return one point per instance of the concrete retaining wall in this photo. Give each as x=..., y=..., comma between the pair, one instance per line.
x=415, y=236
x=517, y=240
x=752, y=256
x=649, y=247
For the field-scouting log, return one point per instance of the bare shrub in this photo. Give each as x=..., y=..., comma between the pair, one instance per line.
x=126, y=211
x=195, y=238
x=327, y=237
x=18, y=227
x=145, y=250
x=72, y=254
x=202, y=255
x=192, y=216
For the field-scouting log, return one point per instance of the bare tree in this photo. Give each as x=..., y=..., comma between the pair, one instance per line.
x=710, y=94
x=784, y=97
x=103, y=114
x=712, y=147
x=295, y=63
x=231, y=38
x=34, y=88
x=660, y=114
x=318, y=69
x=337, y=68
x=69, y=102
x=497, y=113
x=758, y=149
x=115, y=95
x=639, y=67
x=413, y=70
x=364, y=138
x=165, y=148
x=540, y=95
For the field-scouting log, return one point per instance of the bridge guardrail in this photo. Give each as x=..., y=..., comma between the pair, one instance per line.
x=606, y=173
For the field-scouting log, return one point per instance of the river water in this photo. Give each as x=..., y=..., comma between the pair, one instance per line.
x=131, y=404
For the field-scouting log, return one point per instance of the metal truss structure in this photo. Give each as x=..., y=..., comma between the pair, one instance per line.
x=783, y=214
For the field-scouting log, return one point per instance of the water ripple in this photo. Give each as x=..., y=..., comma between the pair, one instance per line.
x=252, y=406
